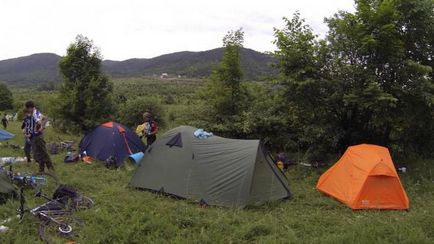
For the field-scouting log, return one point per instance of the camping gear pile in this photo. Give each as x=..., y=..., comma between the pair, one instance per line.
x=201, y=133
x=71, y=157
x=11, y=160
x=55, y=148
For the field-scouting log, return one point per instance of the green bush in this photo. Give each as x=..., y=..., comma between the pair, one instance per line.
x=130, y=113
x=6, y=99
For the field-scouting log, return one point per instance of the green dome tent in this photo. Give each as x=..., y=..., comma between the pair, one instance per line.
x=216, y=171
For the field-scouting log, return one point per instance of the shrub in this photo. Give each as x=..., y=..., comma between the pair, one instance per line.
x=130, y=113
x=6, y=99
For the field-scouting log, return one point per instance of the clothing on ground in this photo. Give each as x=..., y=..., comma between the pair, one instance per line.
x=202, y=134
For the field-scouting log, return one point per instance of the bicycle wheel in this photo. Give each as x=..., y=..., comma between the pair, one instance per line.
x=84, y=203
x=69, y=229
x=79, y=203
x=46, y=182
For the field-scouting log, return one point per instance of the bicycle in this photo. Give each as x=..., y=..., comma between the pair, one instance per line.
x=36, y=181
x=55, y=215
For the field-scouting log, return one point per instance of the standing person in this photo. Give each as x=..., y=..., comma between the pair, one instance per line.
x=150, y=128
x=26, y=127
x=39, y=146
x=5, y=121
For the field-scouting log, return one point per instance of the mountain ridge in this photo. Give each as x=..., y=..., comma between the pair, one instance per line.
x=40, y=68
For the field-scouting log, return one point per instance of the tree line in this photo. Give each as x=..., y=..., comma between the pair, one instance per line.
x=369, y=80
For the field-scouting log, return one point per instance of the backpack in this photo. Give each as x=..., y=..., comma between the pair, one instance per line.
x=64, y=192
x=71, y=158
x=110, y=162
x=54, y=148
x=283, y=158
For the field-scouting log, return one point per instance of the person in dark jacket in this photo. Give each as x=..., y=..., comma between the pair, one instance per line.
x=27, y=123
x=5, y=121
x=39, y=146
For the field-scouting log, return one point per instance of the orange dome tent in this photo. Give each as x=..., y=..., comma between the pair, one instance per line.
x=365, y=178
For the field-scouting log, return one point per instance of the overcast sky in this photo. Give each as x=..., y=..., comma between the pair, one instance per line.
x=125, y=29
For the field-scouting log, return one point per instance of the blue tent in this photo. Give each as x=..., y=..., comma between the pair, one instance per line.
x=4, y=135
x=111, y=139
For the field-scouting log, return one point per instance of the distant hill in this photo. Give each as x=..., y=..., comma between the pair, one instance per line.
x=43, y=67
x=36, y=68
x=190, y=64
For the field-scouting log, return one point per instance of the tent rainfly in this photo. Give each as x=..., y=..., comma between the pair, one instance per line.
x=215, y=171
x=6, y=188
x=111, y=139
x=5, y=135
x=365, y=178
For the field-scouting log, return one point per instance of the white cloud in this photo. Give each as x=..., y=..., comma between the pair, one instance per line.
x=139, y=28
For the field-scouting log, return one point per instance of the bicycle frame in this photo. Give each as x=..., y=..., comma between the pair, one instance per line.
x=46, y=211
x=30, y=180
x=56, y=212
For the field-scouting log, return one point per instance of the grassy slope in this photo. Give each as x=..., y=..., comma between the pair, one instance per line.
x=125, y=215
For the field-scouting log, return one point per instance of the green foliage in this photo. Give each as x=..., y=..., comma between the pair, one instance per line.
x=388, y=89
x=296, y=48
x=266, y=117
x=366, y=82
x=302, y=93
x=49, y=86
x=45, y=101
x=85, y=96
x=170, y=91
x=131, y=112
x=224, y=94
x=224, y=87
x=6, y=98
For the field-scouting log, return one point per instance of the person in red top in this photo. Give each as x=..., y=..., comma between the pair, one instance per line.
x=151, y=129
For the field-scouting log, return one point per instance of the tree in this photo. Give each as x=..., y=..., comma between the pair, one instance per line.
x=229, y=72
x=305, y=93
x=369, y=81
x=6, y=98
x=224, y=92
x=85, y=96
x=382, y=56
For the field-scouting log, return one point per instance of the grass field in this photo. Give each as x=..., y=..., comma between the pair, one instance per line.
x=125, y=215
